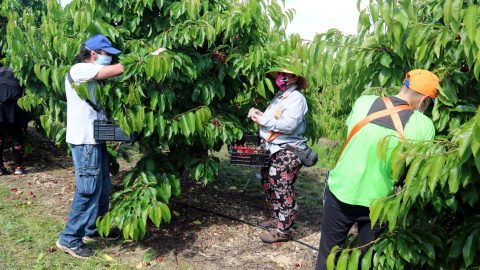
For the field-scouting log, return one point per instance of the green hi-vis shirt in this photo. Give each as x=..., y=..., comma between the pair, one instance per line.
x=360, y=176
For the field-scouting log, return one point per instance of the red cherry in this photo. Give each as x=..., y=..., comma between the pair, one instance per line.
x=297, y=265
x=214, y=122
x=135, y=188
x=223, y=60
x=223, y=117
x=31, y=193
x=258, y=101
x=236, y=37
x=107, y=265
x=133, y=249
x=202, y=160
x=216, y=53
x=145, y=245
x=218, y=128
x=238, y=106
x=14, y=189
x=160, y=259
x=457, y=37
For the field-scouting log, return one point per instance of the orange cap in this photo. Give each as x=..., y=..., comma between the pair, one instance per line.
x=423, y=82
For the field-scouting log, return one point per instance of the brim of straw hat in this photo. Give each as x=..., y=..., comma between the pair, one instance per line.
x=302, y=82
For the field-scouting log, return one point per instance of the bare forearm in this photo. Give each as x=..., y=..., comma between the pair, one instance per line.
x=109, y=71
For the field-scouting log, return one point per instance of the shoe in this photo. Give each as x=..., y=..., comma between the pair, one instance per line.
x=268, y=223
x=96, y=236
x=2, y=170
x=274, y=236
x=81, y=252
x=19, y=170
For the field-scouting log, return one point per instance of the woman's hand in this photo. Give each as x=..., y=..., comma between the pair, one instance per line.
x=253, y=112
x=255, y=118
x=159, y=50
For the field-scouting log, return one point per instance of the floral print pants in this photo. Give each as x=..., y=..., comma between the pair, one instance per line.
x=278, y=182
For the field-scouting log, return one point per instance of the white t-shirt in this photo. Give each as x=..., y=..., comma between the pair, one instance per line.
x=80, y=114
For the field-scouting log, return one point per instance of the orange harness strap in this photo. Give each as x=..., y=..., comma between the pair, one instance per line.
x=391, y=110
x=272, y=135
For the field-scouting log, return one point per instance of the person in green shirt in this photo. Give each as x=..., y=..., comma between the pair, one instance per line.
x=359, y=176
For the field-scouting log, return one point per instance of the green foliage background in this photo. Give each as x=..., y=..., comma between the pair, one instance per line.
x=172, y=101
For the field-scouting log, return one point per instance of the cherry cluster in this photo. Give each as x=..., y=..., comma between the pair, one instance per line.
x=243, y=149
x=221, y=57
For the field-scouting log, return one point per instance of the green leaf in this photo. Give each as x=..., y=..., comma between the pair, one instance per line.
x=382, y=148
x=370, y=42
x=191, y=122
x=353, y=260
x=470, y=22
x=470, y=248
x=435, y=170
x=375, y=211
x=367, y=259
x=457, y=246
x=150, y=122
x=184, y=125
x=465, y=140
x=386, y=60
x=176, y=188
x=331, y=258
x=392, y=213
x=261, y=89
x=270, y=85
x=166, y=215
x=148, y=256
x=342, y=261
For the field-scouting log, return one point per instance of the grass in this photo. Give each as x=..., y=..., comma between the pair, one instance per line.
x=28, y=233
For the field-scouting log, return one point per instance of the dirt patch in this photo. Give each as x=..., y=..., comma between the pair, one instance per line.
x=204, y=233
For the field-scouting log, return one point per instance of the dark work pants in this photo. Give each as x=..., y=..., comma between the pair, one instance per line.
x=10, y=131
x=338, y=218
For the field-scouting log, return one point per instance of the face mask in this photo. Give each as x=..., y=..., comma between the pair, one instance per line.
x=420, y=103
x=103, y=60
x=282, y=82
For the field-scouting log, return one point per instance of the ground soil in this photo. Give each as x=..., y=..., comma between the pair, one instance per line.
x=212, y=238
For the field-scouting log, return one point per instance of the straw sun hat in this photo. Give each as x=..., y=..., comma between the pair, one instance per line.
x=302, y=82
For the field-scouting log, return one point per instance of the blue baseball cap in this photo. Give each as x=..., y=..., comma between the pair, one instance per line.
x=101, y=42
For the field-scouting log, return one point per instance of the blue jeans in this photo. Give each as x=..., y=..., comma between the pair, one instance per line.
x=92, y=194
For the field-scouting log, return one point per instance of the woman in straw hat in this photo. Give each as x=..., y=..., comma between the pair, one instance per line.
x=282, y=126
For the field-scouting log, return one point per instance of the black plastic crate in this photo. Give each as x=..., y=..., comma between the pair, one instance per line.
x=109, y=130
x=248, y=151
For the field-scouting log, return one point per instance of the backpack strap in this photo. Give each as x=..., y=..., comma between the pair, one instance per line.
x=391, y=110
x=95, y=107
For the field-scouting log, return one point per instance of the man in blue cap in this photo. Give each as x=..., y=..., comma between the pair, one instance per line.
x=92, y=176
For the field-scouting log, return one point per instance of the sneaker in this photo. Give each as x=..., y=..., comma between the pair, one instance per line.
x=2, y=170
x=81, y=252
x=96, y=236
x=274, y=236
x=268, y=223
x=19, y=170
